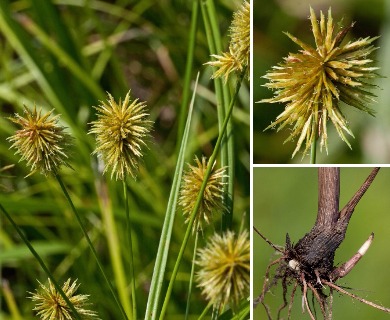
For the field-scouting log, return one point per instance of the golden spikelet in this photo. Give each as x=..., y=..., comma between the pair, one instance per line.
x=212, y=200
x=41, y=141
x=224, y=268
x=314, y=81
x=121, y=131
x=51, y=305
x=237, y=58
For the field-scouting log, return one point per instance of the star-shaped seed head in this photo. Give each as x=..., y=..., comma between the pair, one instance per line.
x=224, y=268
x=121, y=133
x=212, y=200
x=41, y=141
x=314, y=81
x=49, y=304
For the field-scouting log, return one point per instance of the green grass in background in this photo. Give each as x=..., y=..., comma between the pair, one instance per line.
x=285, y=201
x=66, y=55
x=270, y=19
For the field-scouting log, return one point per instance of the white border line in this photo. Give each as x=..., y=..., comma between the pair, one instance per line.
x=251, y=158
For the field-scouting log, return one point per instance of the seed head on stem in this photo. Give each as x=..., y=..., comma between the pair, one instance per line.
x=51, y=305
x=237, y=58
x=224, y=268
x=213, y=195
x=41, y=141
x=315, y=80
x=121, y=131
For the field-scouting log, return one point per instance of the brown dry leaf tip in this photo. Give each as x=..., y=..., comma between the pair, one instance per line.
x=237, y=58
x=41, y=141
x=50, y=304
x=224, y=268
x=212, y=200
x=314, y=81
x=121, y=131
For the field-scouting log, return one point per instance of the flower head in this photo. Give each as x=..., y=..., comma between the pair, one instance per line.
x=213, y=195
x=240, y=34
x=121, y=131
x=238, y=56
x=41, y=141
x=51, y=305
x=225, y=268
x=314, y=81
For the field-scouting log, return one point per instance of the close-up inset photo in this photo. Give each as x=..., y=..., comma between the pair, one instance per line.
x=320, y=243
x=319, y=82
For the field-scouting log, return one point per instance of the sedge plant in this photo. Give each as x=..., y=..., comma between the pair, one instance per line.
x=124, y=223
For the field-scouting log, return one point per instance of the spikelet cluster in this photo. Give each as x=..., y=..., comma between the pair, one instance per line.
x=212, y=200
x=121, y=130
x=237, y=58
x=49, y=304
x=224, y=268
x=314, y=81
x=41, y=141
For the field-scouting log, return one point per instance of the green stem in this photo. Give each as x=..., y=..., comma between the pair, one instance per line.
x=132, y=273
x=209, y=22
x=166, y=232
x=40, y=261
x=216, y=36
x=313, y=149
x=205, y=311
x=200, y=196
x=216, y=311
x=113, y=243
x=223, y=98
x=90, y=243
x=192, y=275
x=187, y=75
x=14, y=312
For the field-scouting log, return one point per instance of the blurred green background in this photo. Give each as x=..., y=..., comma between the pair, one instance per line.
x=66, y=55
x=372, y=135
x=285, y=201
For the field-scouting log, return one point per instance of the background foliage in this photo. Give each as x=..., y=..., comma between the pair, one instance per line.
x=270, y=19
x=66, y=54
x=288, y=204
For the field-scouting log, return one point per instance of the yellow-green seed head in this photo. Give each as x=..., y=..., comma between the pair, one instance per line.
x=237, y=58
x=121, y=131
x=49, y=304
x=224, y=268
x=314, y=81
x=41, y=141
x=212, y=200
x=240, y=34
